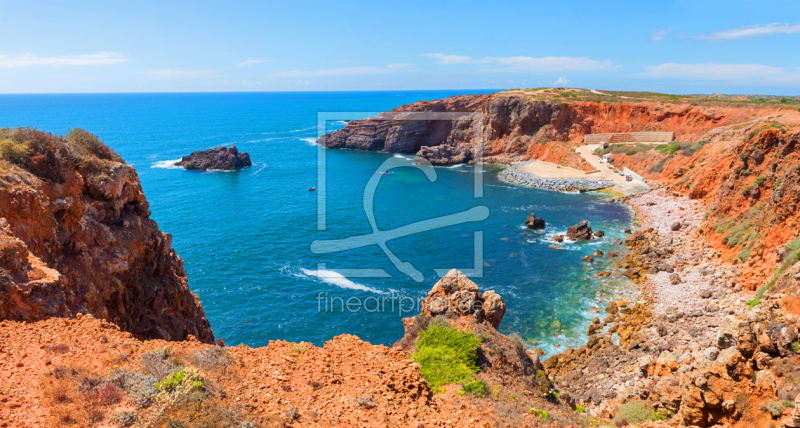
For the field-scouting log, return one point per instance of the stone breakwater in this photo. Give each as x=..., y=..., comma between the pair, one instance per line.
x=514, y=176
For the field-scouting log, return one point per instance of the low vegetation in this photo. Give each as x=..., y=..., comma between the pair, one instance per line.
x=446, y=355
x=164, y=391
x=636, y=412
x=792, y=254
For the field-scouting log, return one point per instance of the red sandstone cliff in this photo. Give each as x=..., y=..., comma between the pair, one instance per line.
x=517, y=127
x=76, y=237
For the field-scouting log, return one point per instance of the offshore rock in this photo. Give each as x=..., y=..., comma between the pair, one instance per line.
x=580, y=232
x=533, y=222
x=222, y=158
x=443, y=155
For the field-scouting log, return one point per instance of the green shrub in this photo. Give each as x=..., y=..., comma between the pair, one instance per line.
x=580, y=409
x=13, y=151
x=89, y=144
x=446, y=355
x=744, y=254
x=760, y=180
x=541, y=414
x=630, y=153
x=475, y=387
x=637, y=412
x=745, y=172
x=738, y=233
x=176, y=379
x=793, y=248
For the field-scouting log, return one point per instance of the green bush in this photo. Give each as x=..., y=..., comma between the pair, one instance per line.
x=760, y=180
x=637, y=412
x=724, y=226
x=580, y=409
x=475, y=387
x=446, y=355
x=738, y=233
x=793, y=248
x=541, y=414
x=796, y=349
x=13, y=151
x=630, y=153
x=89, y=144
x=744, y=254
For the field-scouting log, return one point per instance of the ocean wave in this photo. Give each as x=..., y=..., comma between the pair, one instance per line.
x=339, y=280
x=398, y=155
x=264, y=165
x=311, y=141
x=167, y=164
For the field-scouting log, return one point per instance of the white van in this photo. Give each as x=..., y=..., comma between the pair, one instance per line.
x=608, y=157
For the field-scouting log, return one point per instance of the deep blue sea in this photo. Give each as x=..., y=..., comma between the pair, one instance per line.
x=246, y=236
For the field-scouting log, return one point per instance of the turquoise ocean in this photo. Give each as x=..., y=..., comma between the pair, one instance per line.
x=246, y=236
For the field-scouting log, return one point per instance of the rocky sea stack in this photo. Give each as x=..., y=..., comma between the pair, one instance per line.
x=222, y=158
x=534, y=222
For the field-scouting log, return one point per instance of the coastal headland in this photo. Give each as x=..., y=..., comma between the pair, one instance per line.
x=92, y=337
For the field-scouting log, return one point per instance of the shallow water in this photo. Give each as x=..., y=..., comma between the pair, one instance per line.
x=246, y=236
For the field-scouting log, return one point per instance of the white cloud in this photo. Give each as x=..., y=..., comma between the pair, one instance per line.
x=749, y=31
x=562, y=81
x=545, y=64
x=29, y=60
x=449, y=59
x=251, y=61
x=754, y=74
x=658, y=35
x=171, y=73
x=344, y=71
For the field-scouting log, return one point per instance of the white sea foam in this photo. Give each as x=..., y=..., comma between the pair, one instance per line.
x=310, y=141
x=167, y=164
x=408, y=158
x=263, y=166
x=339, y=280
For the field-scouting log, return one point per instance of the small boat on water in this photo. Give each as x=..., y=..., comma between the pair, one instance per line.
x=312, y=189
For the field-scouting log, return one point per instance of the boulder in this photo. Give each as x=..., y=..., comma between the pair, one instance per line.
x=588, y=259
x=533, y=222
x=580, y=232
x=599, y=234
x=674, y=279
x=794, y=420
x=445, y=154
x=222, y=158
x=456, y=296
x=633, y=237
x=558, y=238
x=736, y=333
x=675, y=226
x=493, y=308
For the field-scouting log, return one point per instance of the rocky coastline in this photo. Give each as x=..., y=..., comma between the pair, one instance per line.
x=690, y=349
x=513, y=175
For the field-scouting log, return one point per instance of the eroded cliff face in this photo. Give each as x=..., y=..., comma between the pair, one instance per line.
x=76, y=237
x=517, y=127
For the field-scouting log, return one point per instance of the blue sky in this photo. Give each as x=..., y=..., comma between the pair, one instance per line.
x=666, y=46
